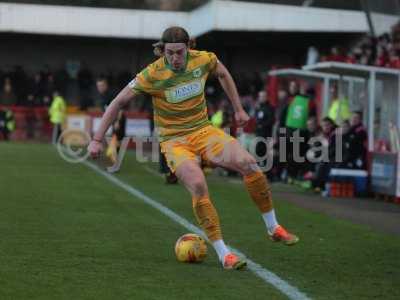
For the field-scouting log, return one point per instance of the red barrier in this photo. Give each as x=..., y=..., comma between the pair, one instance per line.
x=30, y=123
x=34, y=123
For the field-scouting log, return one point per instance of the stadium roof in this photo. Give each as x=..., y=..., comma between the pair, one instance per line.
x=187, y=5
x=387, y=6
x=216, y=15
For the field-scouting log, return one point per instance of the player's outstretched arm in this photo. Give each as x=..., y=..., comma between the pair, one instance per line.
x=96, y=146
x=229, y=86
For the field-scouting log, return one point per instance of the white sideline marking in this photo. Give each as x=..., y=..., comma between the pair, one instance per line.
x=153, y=172
x=290, y=291
x=235, y=181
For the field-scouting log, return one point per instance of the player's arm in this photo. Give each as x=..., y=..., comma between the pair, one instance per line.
x=121, y=100
x=229, y=86
x=111, y=113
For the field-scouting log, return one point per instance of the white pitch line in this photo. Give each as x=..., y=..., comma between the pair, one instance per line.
x=153, y=172
x=267, y=276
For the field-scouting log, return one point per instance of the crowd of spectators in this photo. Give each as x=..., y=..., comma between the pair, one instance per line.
x=294, y=114
x=383, y=51
x=21, y=88
x=302, y=149
x=88, y=90
x=43, y=97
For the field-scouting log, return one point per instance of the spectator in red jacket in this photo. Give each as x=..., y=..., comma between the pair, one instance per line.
x=382, y=58
x=336, y=55
x=350, y=58
x=394, y=60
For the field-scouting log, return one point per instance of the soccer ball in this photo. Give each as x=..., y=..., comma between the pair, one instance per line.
x=190, y=248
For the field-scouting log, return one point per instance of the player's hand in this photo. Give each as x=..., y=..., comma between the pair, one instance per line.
x=95, y=148
x=241, y=118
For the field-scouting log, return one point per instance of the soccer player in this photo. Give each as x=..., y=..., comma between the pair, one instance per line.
x=176, y=83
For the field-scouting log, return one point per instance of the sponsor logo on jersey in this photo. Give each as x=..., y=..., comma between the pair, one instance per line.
x=184, y=91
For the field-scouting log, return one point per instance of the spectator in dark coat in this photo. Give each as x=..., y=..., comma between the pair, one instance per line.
x=358, y=142
x=7, y=95
x=323, y=168
x=103, y=95
x=265, y=119
x=313, y=130
x=265, y=116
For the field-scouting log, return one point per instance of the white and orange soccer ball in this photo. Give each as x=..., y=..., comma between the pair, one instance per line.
x=190, y=248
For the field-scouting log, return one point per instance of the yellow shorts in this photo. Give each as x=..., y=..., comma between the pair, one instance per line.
x=200, y=145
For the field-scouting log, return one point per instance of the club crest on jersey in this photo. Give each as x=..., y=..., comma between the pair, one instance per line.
x=197, y=73
x=184, y=91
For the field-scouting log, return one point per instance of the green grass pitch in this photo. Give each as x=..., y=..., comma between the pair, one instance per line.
x=68, y=233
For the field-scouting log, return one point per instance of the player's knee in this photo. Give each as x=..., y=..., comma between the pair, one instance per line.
x=246, y=165
x=199, y=187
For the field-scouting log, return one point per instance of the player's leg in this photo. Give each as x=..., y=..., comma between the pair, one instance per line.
x=181, y=160
x=192, y=177
x=234, y=157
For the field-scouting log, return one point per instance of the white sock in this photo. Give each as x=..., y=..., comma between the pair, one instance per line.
x=270, y=221
x=221, y=249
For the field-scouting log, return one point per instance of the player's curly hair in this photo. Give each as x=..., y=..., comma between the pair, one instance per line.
x=173, y=34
